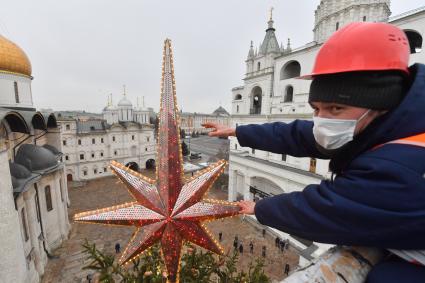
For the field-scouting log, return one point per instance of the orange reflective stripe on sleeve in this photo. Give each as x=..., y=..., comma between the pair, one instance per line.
x=418, y=140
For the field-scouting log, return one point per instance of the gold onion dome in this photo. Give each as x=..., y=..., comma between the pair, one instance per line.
x=13, y=59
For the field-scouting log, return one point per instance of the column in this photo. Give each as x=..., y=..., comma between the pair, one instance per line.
x=12, y=257
x=232, y=185
x=33, y=227
x=247, y=184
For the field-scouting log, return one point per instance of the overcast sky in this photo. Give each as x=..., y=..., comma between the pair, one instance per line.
x=82, y=50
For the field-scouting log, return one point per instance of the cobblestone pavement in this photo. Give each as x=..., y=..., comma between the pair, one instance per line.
x=106, y=192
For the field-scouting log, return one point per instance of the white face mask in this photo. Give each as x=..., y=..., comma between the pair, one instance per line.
x=334, y=133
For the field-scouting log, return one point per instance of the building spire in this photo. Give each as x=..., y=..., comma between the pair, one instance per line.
x=143, y=101
x=110, y=99
x=124, y=90
x=251, y=51
x=288, y=46
x=271, y=14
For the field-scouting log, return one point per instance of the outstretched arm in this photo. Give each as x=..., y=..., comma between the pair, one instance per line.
x=372, y=205
x=294, y=138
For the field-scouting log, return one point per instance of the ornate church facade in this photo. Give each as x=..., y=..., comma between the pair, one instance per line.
x=272, y=93
x=125, y=134
x=34, y=195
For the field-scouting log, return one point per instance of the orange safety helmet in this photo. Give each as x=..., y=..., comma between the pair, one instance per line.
x=363, y=46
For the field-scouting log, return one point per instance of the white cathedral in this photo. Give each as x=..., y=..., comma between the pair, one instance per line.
x=33, y=188
x=272, y=93
x=125, y=134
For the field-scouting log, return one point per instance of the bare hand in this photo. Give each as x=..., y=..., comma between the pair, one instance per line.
x=247, y=206
x=219, y=130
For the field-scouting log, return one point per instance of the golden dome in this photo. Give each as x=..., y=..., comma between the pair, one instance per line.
x=12, y=58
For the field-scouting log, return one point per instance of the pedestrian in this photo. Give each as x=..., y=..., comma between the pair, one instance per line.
x=286, y=269
x=241, y=248
x=220, y=236
x=282, y=245
x=235, y=243
x=89, y=277
x=277, y=241
x=117, y=248
x=369, y=121
x=264, y=232
x=263, y=251
x=251, y=247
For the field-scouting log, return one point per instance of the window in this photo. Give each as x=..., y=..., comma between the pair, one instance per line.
x=415, y=41
x=283, y=157
x=238, y=97
x=290, y=70
x=105, y=169
x=253, y=151
x=101, y=140
x=48, y=194
x=113, y=138
x=66, y=157
x=60, y=188
x=92, y=155
x=258, y=66
x=132, y=137
x=79, y=142
x=81, y=156
x=37, y=204
x=146, y=149
x=92, y=128
x=237, y=108
x=85, y=172
x=93, y=141
x=24, y=224
x=115, y=152
x=313, y=165
x=364, y=18
x=147, y=139
x=15, y=84
x=236, y=146
x=337, y=26
x=94, y=171
x=67, y=126
x=64, y=142
x=101, y=154
x=289, y=94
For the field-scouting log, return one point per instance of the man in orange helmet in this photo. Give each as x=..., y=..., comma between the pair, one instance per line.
x=369, y=120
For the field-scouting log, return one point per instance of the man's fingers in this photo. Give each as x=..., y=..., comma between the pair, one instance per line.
x=208, y=125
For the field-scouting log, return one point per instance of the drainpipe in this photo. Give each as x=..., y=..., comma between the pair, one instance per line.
x=14, y=148
x=41, y=225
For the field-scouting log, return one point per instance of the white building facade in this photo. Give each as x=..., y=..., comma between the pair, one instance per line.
x=192, y=122
x=34, y=194
x=125, y=135
x=271, y=93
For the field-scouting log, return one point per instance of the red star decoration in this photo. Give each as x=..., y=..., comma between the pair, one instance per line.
x=170, y=209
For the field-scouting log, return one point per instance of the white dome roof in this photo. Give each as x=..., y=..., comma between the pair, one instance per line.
x=125, y=102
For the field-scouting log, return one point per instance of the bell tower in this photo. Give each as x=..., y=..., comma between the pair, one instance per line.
x=332, y=15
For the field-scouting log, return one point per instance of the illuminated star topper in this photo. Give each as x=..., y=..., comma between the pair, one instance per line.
x=170, y=209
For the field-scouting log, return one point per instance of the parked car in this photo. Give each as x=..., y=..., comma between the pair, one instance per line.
x=195, y=155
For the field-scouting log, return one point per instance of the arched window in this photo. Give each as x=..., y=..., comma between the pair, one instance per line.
x=24, y=224
x=337, y=26
x=258, y=66
x=15, y=84
x=289, y=94
x=256, y=97
x=238, y=97
x=237, y=108
x=290, y=70
x=415, y=41
x=48, y=195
